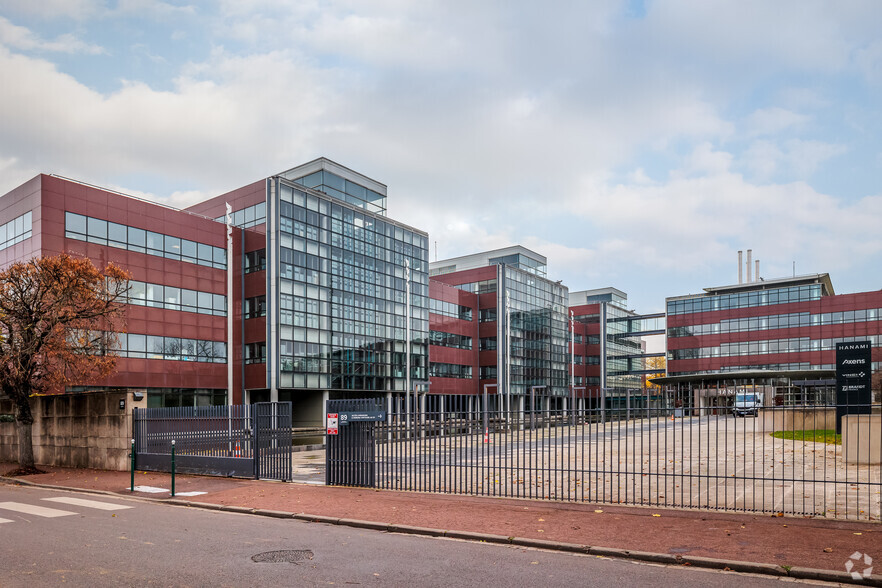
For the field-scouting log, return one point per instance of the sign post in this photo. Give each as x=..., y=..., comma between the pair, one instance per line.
x=853, y=376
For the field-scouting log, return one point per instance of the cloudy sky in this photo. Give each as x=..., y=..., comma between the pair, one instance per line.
x=636, y=144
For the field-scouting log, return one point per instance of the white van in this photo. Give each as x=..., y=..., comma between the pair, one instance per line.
x=747, y=404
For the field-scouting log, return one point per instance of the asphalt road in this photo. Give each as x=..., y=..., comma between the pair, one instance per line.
x=53, y=538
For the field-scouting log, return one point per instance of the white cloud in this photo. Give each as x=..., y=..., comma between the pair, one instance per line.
x=22, y=38
x=773, y=120
x=54, y=9
x=794, y=157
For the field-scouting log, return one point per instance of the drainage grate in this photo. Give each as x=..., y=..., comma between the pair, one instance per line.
x=283, y=556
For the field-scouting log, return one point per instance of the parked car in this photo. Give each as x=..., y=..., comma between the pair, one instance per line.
x=747, y=404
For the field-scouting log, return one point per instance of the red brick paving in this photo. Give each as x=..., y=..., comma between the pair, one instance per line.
x=814, y=543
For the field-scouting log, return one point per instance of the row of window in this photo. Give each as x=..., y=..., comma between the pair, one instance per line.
x=247, y=217
x=449, y=340
x=745, y=299
x=16, y=230
x=794, y=345
x=586, y=360
x=171, y=298
x=589, y=381
x=102, y=232
x=450, y=370
x=450, y=309
x=487, y=343
x=342, y=189
x=362, y=223
x=482, y=287
x=487, y=372
x=172, y=348
x=778, y=321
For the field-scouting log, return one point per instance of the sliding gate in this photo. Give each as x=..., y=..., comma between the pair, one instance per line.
x=252, y=440
x=780, y=460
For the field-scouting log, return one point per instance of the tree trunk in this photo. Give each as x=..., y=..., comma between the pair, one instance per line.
x=24, y=419
x=25, y=446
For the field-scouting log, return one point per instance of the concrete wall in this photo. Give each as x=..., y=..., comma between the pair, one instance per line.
x=798, y=419
x=76, y=430
x=862, y=438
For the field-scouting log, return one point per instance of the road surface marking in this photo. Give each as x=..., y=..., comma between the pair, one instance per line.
x=39, y=511
x=151, y=489
x=88, y=503
x=6, y=521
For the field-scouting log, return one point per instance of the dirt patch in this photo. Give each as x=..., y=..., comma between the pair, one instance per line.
x=18, y=472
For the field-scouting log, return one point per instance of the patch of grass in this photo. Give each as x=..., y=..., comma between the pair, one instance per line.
x=815, y=435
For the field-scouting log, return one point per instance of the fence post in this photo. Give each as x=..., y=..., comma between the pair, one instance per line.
x=133, y=464
x=173, y=468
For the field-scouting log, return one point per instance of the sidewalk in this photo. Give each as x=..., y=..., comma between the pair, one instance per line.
x=802, y=546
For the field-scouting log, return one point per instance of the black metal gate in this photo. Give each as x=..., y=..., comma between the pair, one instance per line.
x=784, y=459
x=242, y=440
x=272, y=440
x=350, y=457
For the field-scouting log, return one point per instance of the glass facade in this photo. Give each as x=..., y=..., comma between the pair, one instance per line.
x=538, y=331
x=769, y=346
x=778, y=321
x=524, y=262
x=624, y=350
x=341, y=311
x=707, y=303
x=344, y=190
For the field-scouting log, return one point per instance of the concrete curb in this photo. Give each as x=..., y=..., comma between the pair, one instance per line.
x=662, y=558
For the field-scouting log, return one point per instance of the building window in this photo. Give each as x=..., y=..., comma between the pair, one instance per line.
x=172, y=298
x=450, y=370
x=487, y=315
x=449, y=340
x=102, y=232
x=450, y=309
x=170, y=348
x=247, y=217
x=255, y=261
x=255, y=307
x=488, y=343
x=255, y=353
x=15, y=231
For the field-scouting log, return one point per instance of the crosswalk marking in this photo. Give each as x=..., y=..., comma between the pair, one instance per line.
x=87, y=503
x=40, y=511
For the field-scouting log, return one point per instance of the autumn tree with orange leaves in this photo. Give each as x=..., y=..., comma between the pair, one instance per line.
x=59, y=317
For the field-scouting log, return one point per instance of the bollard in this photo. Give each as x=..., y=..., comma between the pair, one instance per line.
x=133, y=465
x=173, y=469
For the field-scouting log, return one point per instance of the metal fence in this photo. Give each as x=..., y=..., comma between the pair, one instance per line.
x=241, y=440
x=787, y=459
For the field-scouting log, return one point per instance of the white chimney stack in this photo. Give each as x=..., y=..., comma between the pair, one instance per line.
x=756, y=276
x=740, y=262
x=749, y=263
